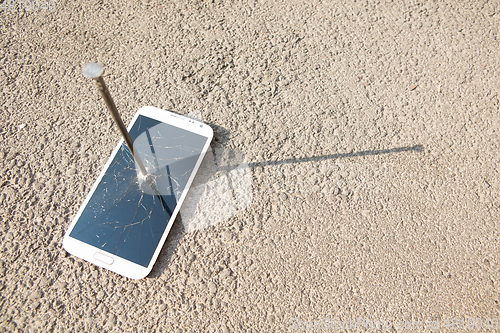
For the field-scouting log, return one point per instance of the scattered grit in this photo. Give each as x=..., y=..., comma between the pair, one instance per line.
x=371, y=132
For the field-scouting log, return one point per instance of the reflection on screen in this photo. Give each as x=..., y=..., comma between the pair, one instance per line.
x=127, y=214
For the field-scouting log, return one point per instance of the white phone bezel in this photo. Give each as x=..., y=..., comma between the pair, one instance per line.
x=119, y=265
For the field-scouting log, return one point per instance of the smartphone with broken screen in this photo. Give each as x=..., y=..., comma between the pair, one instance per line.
x=125, y=219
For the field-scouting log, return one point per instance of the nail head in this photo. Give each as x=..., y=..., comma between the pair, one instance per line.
x=92, y=70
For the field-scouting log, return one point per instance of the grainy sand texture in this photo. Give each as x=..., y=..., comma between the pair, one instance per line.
x=367, y=133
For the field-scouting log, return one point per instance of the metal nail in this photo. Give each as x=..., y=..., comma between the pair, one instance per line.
x=94, y=71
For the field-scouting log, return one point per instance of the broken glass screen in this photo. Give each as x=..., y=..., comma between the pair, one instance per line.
x=128, y=213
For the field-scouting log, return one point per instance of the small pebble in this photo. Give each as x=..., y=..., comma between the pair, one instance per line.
x=225, y=273
x=60, y=285
x=212, y=287
x=227, y=236
x=100, y=295
x=11, y=155
x=35, y=295
x=45, y=282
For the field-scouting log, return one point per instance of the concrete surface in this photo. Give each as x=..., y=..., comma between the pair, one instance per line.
x=371, y=131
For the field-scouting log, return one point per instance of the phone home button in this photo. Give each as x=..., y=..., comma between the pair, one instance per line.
x=103, y=258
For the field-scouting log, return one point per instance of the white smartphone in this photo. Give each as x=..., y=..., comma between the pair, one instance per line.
x=125, y=219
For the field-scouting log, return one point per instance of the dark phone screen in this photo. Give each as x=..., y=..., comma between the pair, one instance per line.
x=127, y=214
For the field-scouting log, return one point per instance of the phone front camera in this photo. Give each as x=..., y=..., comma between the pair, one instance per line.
x=201, y=125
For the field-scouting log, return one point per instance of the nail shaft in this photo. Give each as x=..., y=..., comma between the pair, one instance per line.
x=95, y=71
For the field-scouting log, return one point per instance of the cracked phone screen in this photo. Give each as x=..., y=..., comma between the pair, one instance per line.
x=128, y=212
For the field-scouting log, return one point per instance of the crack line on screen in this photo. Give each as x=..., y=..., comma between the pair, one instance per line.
x=150, y=167
x=124, y=191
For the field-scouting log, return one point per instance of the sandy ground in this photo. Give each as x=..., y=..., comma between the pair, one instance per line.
x=371, y=132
